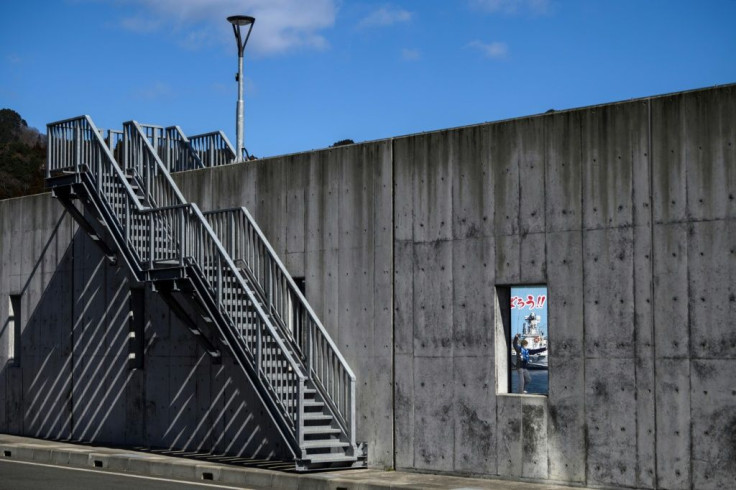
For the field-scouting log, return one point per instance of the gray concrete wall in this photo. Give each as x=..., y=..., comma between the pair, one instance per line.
x=626, y=211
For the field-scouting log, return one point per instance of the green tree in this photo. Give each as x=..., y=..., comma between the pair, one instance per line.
x=22, y=156
x=342, y=143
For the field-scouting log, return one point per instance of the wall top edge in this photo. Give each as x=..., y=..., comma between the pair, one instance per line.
x=265, y=160
x=39, y=195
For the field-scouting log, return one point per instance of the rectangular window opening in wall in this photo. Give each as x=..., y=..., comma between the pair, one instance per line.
x=136, y=328
x=296, y=322
x=13, y=328
x=522, y=334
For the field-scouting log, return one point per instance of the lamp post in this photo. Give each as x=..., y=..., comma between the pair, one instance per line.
x=239, y=21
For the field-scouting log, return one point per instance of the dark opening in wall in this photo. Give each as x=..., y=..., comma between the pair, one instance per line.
x=296, y=322
x=136, y=327
x=14, y=329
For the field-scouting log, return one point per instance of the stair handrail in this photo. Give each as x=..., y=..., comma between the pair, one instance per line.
x=55, y=153
x=180, y=154
x=89, y=150
x=153, y=157
x=190, y=233
x=143, y=162
x=313, y=341
x=141, y=156
x=324, y=363
x=211, y=146
x=204, y=150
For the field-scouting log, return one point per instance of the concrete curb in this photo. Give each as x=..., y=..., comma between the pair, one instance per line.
x=175, y=468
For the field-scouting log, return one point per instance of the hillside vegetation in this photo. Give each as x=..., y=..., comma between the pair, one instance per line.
x=22, y=156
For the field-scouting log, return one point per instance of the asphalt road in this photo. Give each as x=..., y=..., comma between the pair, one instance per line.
x=19, y=475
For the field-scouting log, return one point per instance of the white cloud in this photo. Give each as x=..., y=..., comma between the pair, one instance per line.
x=495, y=50
x=536, y=7
x=281, y=25
x=410, y=54
x=386, y=16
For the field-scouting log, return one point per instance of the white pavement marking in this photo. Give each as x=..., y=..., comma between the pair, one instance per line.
x=183, y=482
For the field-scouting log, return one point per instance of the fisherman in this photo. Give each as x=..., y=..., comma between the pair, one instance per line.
x=522, y=361
x=517, y=349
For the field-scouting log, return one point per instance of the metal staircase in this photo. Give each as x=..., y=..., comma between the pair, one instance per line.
x=216, y=270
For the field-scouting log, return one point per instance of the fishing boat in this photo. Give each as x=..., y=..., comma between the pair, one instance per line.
x=535, y=340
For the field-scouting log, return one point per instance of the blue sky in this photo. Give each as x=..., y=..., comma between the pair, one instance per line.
x=320, y=71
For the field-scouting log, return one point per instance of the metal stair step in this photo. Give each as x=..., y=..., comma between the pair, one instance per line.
x=314, y=416
x=320, y=429
x=324, y=443
x=166, y=263
x=287, y=390
x=331, y=458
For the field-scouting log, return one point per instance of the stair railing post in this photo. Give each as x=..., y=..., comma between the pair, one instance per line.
x=172, y=151
x=351, y=413
x=259, y=349
x=211, y=151
x=219, y=281
x=310, y=349
x=299, y=425
x=155, y=140
x=182, y=221
x=146, y=169
x=269, y=278
x=150, y=240
x=77, y=147
x=127, y=220
x=126, y=150
x=231, y=230
x=167, y=149
x=98, y=169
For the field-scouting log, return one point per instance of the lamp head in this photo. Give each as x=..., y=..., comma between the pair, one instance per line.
x=241, y=20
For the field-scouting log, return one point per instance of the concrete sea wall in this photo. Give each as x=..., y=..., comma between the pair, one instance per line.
x=626, y=211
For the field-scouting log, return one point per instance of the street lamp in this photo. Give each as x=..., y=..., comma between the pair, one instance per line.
x=239, y=21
